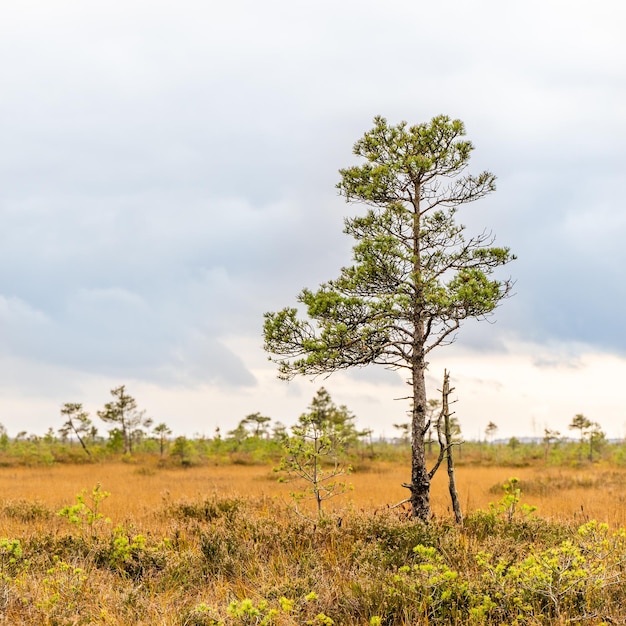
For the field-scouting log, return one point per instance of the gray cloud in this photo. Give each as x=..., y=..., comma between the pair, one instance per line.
x=167, y=173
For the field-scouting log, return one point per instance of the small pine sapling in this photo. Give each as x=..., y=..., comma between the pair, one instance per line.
x=313, y=454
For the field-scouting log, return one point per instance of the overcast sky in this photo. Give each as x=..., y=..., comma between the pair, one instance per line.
x=168, y=171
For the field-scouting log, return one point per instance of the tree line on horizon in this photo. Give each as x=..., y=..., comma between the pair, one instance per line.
x=132, y=431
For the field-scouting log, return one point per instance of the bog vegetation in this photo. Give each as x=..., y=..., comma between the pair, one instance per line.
x=198, y=531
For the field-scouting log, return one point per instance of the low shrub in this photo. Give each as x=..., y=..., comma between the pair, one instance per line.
x=231, y=562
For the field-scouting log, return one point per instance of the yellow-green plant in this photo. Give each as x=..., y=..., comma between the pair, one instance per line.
x=510, y=502
x=569, y=579
x=433, y=588
x=246, y=612
x=86, y=511
x=11, y=557
x=126, y=546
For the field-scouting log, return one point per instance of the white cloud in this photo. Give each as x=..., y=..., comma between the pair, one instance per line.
x=168, y=175
x=535, y=386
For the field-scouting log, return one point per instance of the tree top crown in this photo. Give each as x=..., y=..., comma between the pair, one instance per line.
x=403, y=162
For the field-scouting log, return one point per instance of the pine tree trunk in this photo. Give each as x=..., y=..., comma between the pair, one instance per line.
x=420, y=481
x=82, y=443
x=128, y=447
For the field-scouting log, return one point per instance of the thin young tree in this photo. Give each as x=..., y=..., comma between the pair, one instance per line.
x=596, y=438
x=123, y=412
x=76, y=421
x=490, y=431
x=315, y=453
x=581, y=423
x=405, y=432
x=239, y=434
x=549, y=437
x=162, y=432
x=415, y=275
x=260, y=424
x=335, y=420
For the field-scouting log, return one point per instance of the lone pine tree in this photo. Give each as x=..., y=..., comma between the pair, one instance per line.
x=415, y=275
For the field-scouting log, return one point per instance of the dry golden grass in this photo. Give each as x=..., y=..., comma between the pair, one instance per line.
x=560, y=493
x=137, y=490
x=187, y=559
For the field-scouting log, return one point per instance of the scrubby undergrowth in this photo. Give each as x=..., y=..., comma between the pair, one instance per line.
x=228, y=561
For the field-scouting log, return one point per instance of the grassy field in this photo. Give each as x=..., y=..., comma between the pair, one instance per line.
x=221, y=544
x=138, y=489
